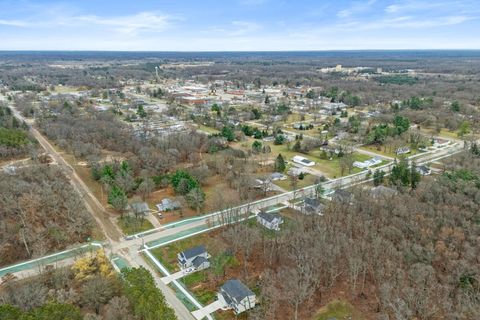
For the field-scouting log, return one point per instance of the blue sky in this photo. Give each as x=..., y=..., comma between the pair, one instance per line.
x=232, y=25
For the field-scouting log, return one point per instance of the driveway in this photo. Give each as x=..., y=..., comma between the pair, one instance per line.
x=207, y=310
x=177, y=275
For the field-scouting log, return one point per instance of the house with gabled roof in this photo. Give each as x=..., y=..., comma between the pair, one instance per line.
x=342, y=195
x=168, y=205
x=237, y=296
x=423, y=170
x=196, y=258
x=312, y=206
x=270, y=220
x=382, y=191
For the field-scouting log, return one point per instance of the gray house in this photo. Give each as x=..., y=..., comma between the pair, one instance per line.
x=423, y=170
x=269, y=220
x=312, y=206
x=382, y=191
x=342, y=195
x=236, y=296
x=168, y=205
x=196, y=258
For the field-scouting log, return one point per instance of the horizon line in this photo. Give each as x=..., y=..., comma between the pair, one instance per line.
x=233, y=51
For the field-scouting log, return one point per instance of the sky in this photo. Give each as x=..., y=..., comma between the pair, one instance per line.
x=238, y=25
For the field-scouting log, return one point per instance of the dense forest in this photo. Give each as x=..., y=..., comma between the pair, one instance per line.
x=410, y=255
x=14, y=138
x=40, y=212
x=88, y=290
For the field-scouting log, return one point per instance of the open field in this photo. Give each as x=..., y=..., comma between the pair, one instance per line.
x=340, y=310
x=382, y=152
x=305, y=182
x=208, y=129
x=331, y=168
x=327, y=167
x=131, y=225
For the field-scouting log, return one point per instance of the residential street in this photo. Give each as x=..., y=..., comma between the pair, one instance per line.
x=132, y=249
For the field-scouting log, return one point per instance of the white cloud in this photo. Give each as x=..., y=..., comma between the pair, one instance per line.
x=252, y=2
x=411, y=22
x=355, y=8
x=143, y=21
x=416, y=6
x=14, y=23
x=243, y=27
x=127, y=24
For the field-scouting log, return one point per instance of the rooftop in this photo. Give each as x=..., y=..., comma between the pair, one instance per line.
x=236, y=290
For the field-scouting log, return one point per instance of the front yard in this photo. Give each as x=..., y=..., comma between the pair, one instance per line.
x=225, y=264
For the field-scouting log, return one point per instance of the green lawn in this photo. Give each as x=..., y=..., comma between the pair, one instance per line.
x=208, y=129
x=193, y=281
x=198, y=283
x=308, y=180
x=131, y=225
x=339, y=310
x=444, y=133
x=331, y=168
x=387, y=153
x=167, y=255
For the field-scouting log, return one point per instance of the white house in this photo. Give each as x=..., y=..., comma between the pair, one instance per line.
x=235, y=295
x=403, y=150
x=269, y=220
x=303, y=161
x=367, y=163
x=196, y=258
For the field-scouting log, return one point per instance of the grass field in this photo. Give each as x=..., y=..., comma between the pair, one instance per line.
x=286, y=184
x=339, y=310
x=327, y=167
x=131, y=225
x=330, y=168
x=382, y=151
x=208, y=129
x=65, y=89
x=444, y=132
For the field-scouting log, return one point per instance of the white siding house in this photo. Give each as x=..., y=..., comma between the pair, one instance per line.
x=196, y=258
x=269, y=220
x=235, y=295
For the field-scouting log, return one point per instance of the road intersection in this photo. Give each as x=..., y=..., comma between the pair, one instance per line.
x=134, y=248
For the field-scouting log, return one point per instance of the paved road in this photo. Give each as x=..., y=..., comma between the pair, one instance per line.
x=102, y=218
x=91, y=202
x=174, y=232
